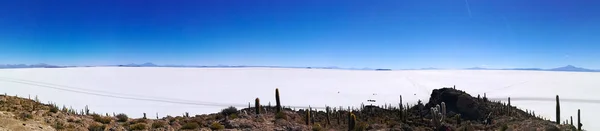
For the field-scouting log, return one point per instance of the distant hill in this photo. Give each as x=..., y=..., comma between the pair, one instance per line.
x=477, y=68
x=572, y=68
x=531, y=69
x=565, y=68
x=41, y=65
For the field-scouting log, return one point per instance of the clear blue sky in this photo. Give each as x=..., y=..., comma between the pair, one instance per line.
x=344, y=33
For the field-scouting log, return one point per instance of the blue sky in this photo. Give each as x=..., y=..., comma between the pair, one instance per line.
x=343, y=33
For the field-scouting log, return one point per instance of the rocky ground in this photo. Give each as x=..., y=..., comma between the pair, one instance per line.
x=462, y=112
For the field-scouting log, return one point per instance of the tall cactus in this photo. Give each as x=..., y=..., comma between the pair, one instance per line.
x=571, y=120
x=257, y=106
x=87, y=110
x=509, y=101
x=557, y=110
x=351, y=121
x=278, y=106
x=509, y=106
x=579, y=120
x=339, y=117
x=328, y=114
x=312, y=116
x=443, y=107
x=308, y=116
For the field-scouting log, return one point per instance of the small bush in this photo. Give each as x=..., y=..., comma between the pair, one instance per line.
x=138, y=126
x=217, y=126
x=228, y=111
x=281, y=115
x=102, y=119
x=233, y=116
x=59, y=126
x=317, y=127
x=466, y=128
x=96, y=127
x=140, y=121
x=504, y=127
x=26, y=116
x=191, y=125
x=53, y=109
x=70, y=120
x=362, y=126
x=159, y=124
x=122, y=117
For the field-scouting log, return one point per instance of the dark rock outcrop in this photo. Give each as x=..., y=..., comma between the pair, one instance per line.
x=458, y=102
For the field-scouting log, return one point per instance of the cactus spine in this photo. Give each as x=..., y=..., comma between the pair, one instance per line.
x=257, y=106
x=278, y=106
x=557, y=110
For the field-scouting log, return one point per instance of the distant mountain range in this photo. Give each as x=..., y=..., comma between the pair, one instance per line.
x=570, y=68
x=41, y=65
x=564, y=68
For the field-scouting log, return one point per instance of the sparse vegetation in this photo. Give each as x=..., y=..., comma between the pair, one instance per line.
x=159, y=124
x=317, y=127
x=281, y=115
x=26, y=116
x=138, y=126
x=101, y=119
x=190, y=126
x=504, y=127
x=59, y=126
x=498, y=116
x=96, y=127
x=53, y=109
x=216, y=126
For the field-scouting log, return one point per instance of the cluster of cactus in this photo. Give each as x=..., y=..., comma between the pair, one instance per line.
x=438, y=113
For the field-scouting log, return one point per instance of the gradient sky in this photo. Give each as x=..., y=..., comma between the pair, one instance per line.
x=344, y=33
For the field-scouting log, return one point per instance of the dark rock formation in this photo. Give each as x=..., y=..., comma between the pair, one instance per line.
x=458, y=102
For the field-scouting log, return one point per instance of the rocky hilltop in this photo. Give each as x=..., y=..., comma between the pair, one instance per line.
x=448, y=110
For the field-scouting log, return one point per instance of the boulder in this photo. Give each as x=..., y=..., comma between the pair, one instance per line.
x=458, y=102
